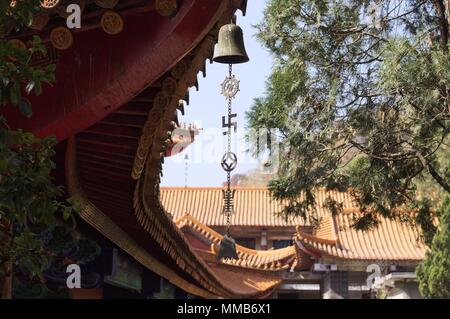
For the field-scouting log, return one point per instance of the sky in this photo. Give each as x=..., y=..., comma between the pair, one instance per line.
x=207, y=106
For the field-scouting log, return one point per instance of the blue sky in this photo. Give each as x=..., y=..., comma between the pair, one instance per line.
x=207, y=106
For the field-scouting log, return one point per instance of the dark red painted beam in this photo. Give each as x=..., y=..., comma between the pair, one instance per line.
x=102, y=72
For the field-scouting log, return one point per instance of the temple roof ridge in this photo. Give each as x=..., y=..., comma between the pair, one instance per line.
x=189, y=220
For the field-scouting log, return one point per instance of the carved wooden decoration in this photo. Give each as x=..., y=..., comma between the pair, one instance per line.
x=112, y=23
x=107, y=4
x=166, y=8
x=40, y=20
x=61, y=10
x=17, y=43
x=49, y=3
x=61, y=38
x=179, y=70
x=169, y=85
x=160, y=101
x=50, y=57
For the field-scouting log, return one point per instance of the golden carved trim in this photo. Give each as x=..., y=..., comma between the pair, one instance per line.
x=178, y=70
x=185, y=72
x=147, y=164
x=159, y=103
x=169, y=85
x=97, y=219
x=158, y=224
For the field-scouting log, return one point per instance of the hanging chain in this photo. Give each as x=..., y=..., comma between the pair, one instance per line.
x=230, y=112
x=229, y=161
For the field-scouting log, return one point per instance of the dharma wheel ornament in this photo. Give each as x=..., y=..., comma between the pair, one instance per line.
x=229, y=50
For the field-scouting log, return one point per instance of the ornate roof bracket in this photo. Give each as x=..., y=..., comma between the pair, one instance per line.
x=146, y=170
x=93, y=216
x=176, y=88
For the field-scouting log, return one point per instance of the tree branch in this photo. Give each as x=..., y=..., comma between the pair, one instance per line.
x=433, y=172
x=443, y=25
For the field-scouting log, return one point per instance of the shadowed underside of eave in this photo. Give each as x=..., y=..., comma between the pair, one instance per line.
x=101, y=72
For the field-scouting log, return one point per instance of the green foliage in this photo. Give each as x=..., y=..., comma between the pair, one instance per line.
x=29, y=200
x=26, y=289
x=16, y=73
x=13, y=18
x=88, y=250
x=30, y=203
x=360, y=97
x=427, y=186
x=62, y=241
x=434, y=272
x=425, y=219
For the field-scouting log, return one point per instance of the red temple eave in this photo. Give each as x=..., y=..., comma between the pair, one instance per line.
x=100, y=72
x=114, y=100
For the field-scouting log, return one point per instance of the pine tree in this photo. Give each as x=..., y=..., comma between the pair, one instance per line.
x=360, y=97
x=434, y=272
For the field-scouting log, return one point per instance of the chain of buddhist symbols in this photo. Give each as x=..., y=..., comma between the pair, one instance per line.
x=230, y=87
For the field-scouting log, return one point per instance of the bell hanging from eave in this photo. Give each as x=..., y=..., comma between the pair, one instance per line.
x=230, y=48
x=227, y=248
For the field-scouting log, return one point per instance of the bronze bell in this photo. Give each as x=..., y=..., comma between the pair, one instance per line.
x=230, y=48
x=227, y=248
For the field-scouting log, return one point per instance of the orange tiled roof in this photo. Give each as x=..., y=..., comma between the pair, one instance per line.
x=270, y=260
x=390, y=241
x=254, y=206
x=247, y=282
x=326, y=230
x=334, y=236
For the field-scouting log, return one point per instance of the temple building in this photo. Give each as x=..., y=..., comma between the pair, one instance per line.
x=328, y=260
x=121, y=80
